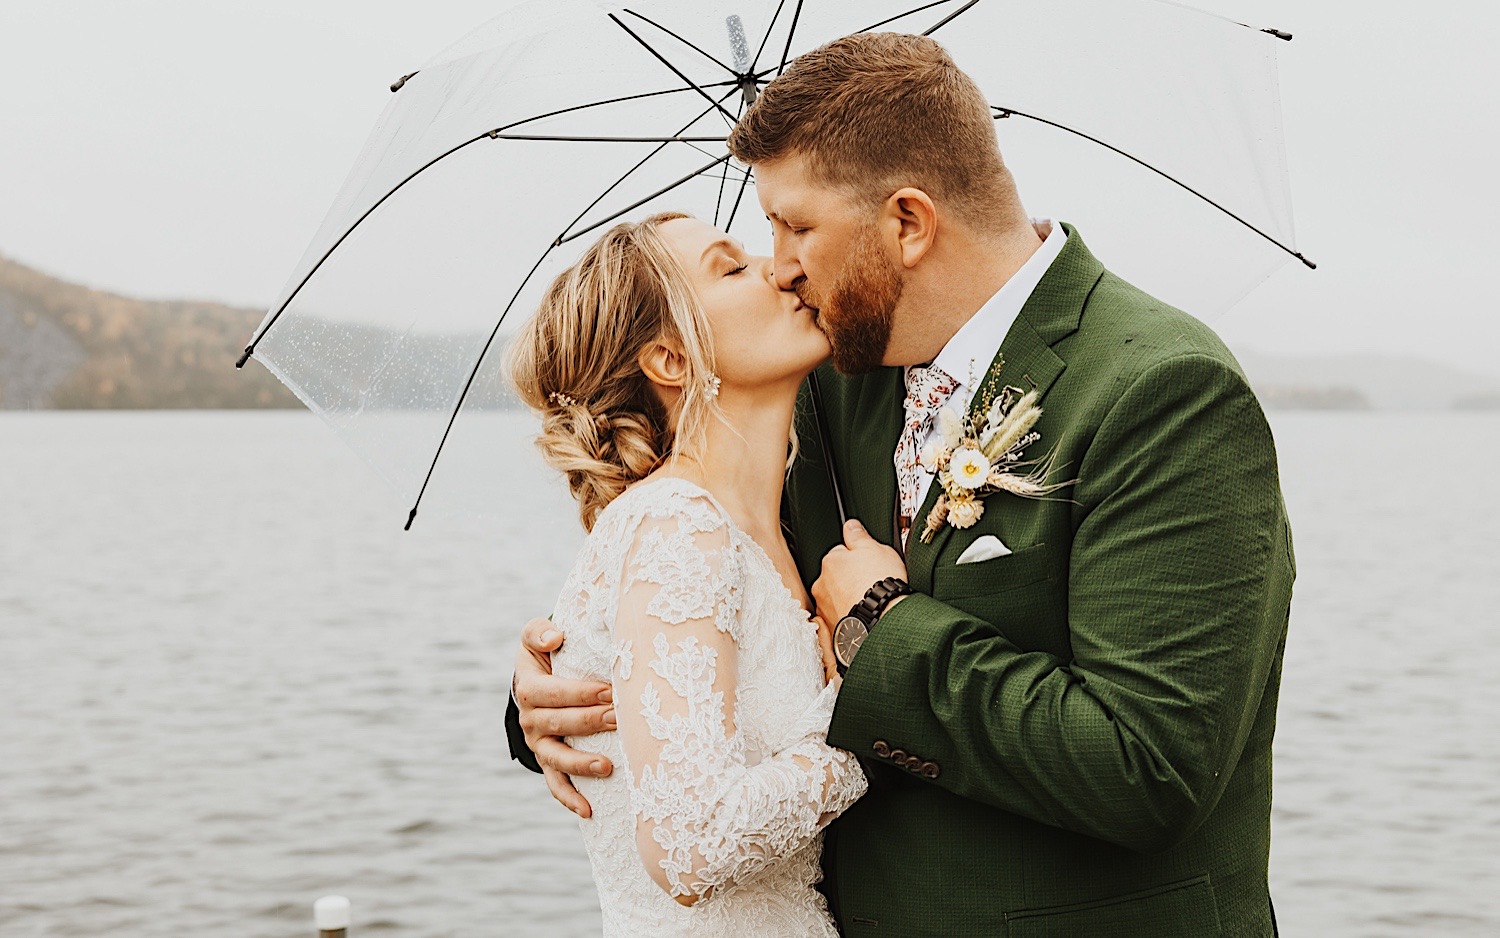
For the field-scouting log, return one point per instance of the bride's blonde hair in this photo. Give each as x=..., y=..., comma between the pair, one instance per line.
x=576, y=362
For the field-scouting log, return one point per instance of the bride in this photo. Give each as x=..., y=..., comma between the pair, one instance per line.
x=665, y=365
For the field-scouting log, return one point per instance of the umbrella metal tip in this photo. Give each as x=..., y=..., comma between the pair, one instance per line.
x=245, y=356
x=738, y=44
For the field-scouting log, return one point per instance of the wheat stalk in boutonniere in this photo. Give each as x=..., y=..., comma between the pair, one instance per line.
x=972, y=460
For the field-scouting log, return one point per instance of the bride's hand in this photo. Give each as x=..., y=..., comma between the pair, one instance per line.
x=825, y=645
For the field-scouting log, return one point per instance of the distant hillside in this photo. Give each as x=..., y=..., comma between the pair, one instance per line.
x=1311, y=397
x=65, y=346
x=1365, y=382
x=68, y=347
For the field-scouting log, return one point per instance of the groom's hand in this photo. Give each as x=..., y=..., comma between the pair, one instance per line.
x=552, y=707
x=850, y=569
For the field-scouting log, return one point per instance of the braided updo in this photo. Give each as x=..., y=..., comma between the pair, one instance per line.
x=576, y=362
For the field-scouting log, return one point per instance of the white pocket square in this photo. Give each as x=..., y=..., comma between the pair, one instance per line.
x=985, y=548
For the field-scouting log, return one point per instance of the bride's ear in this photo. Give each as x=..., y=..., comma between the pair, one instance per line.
x=664, y=365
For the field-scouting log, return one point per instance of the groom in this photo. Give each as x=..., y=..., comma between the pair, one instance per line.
x=1070, y=734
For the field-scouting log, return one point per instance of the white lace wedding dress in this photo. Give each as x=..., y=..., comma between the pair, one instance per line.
x=722, y=781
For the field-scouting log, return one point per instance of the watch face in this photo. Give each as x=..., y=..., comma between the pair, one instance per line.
x=848, y=635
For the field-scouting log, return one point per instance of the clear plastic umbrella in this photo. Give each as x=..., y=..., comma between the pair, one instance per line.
x=1154, y=127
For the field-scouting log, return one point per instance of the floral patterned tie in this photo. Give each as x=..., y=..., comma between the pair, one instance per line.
x=927, y=390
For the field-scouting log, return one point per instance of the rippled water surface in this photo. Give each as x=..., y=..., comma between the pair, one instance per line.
x=230, y=683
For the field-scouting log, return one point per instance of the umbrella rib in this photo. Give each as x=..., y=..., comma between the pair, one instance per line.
x=565, y=238
x=1003, y=112
x=675, y=70
x=250, y=349
x=631, y=171
x=1278, y=33
x=629, y=97
x=790, y=33
x=815, y=389
x=744, y=181
x=689, y=44
x=719, y=199
x=463, y=396
x=255, y=340
x=764, y=40
x=724, y=179
x=887, y=21
x=952, y=16
x=479, y=362
x=694, y=146
x=736, y=210
x=726, y=173
x=495, y=135
x=473, y=373
x=902, y=16
x=733, y=175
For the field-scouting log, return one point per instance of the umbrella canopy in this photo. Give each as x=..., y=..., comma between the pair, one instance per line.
x=1152, y=126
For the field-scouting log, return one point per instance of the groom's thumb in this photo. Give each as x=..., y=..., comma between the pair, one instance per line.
x=855, y=533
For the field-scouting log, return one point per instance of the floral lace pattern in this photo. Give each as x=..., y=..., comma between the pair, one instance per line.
x=723, y=780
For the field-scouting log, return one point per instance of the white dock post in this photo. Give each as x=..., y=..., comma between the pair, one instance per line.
x=331, y=914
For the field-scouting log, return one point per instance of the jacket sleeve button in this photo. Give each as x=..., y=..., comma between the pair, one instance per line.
x=882, y=748
x=929, y=770
x=913, y=763
x=898, y=756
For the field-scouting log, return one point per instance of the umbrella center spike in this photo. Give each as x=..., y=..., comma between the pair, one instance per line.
x=739, y=47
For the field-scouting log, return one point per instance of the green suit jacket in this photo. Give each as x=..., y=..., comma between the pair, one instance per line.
x=1097, y=707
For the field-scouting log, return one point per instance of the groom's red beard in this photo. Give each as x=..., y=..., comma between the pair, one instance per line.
x=860, y=307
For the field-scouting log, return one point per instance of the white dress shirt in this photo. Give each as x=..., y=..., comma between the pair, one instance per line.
x=967, y=356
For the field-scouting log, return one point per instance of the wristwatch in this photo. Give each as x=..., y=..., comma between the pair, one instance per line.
x=851, y=630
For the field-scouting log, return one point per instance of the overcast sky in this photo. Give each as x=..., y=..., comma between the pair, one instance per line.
x=189, y=149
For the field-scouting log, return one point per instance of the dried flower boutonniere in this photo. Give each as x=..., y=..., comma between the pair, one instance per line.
x=972, y=460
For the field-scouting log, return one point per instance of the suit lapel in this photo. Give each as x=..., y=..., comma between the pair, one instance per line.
x=1026, y=360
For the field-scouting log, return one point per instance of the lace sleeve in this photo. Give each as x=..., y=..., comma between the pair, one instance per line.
x=704, y=817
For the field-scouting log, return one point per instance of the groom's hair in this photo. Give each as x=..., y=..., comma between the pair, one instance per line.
x=874, y=112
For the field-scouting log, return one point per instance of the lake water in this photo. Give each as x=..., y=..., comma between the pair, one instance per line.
x=230, y=684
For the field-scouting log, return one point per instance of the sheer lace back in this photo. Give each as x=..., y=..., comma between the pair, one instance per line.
x=723, y=780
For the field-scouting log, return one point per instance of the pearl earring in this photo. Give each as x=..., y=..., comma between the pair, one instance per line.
x=714, y=381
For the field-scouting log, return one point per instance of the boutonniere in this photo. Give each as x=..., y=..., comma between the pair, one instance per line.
x=972, y=460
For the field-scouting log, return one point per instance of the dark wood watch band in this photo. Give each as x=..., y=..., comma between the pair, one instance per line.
x=877, y=597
